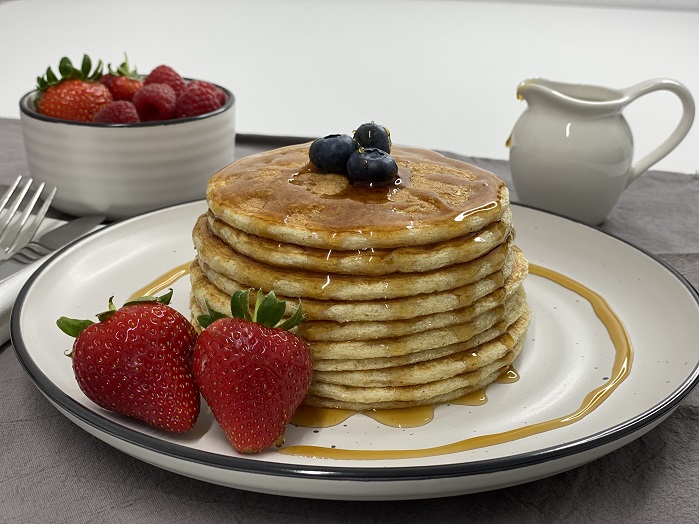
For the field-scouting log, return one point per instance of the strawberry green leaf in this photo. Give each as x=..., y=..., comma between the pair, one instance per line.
x=268, y=310
x=240, y=305
x=86, y=66
x=124, y=69
x=106, y=314
x=211, y=316
x=97, y=73
x=51, y=76
x=294, y=320
x=72, y=326
x=65, y=67
x=69, y=72
x=163, y=299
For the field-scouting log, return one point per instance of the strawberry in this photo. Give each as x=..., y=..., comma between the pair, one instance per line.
x=164, y=74
x=252, y=374
x=136, y=361
x=117, y=112
x=123, y=81
x=123, y=88
x=76, y=95
x=155, y=102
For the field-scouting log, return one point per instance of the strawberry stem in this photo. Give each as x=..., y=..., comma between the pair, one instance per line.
x=124, y=69
x=73, y=327
x=163, y=299
x=69, y=72
x=268, y=311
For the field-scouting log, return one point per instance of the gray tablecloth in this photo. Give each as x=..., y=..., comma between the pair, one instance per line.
x=52, y=471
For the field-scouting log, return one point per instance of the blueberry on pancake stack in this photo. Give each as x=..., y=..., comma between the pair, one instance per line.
x=403, y=260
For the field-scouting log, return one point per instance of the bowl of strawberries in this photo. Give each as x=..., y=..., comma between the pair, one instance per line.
x=117, y=143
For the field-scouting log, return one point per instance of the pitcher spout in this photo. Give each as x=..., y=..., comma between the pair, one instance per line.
x=571, y=96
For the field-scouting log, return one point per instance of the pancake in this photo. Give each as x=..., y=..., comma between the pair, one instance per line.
x=367, y=398
x=354, y=364
x=315, y=330
x=434, y=369
x=406, y=259
x=428, y=339
x=220, y=257
x=280, y=196
x=209, y=285
x=345, y=316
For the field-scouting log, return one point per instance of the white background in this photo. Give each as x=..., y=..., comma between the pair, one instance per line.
x=440, y=74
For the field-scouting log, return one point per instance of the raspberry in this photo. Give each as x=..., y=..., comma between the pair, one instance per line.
x=155, y=102
x=118, y=112
x=166, y=75
x=220, y=93
x=198, y=98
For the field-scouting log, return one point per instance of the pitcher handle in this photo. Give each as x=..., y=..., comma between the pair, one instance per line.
x=671, y=142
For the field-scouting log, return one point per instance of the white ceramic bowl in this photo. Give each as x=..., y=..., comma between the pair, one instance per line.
x=125, y=170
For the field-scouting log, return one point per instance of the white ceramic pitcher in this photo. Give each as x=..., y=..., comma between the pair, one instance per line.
x=571, y=151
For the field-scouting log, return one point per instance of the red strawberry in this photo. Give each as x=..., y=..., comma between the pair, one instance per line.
x=76, y=95
x=123, y=81
x=252, y=375
x=164, y=74
x=106, y=79
x=136, y=361
x=117, y=112
x=123, y=88
x=155, y=102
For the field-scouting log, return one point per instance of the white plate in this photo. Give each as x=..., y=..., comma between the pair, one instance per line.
x=568, y=353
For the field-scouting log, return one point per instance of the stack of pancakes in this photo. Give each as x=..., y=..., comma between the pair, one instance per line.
x=412, y=293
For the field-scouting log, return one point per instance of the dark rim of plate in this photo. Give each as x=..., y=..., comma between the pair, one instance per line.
x=610, y=436
x=27, y=99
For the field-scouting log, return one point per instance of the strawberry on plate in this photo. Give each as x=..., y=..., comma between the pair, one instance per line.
x=136, y=361
x=252, y=372
x=76, y=95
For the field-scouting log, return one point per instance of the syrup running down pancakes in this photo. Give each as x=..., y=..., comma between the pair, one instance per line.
x=412, y=293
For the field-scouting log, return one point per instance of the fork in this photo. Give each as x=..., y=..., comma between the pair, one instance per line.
x=19, y=223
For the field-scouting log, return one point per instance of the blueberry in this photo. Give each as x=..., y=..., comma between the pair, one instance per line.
x=373, y=135
x=330, y=153
x=372, y=167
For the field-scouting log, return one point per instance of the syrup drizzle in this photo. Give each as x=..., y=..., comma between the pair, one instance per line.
x=413, y=417
x=162, y=282
x=620, y=370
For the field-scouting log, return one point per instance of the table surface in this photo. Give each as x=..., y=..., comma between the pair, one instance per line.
x=52, y=471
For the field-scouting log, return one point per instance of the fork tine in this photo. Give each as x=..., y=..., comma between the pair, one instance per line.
x=17, y=232
x=40, y=214
x=10, y=190
x=26, y=235
x=13, y=205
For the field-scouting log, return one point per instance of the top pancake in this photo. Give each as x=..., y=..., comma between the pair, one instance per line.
x=438, y=199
